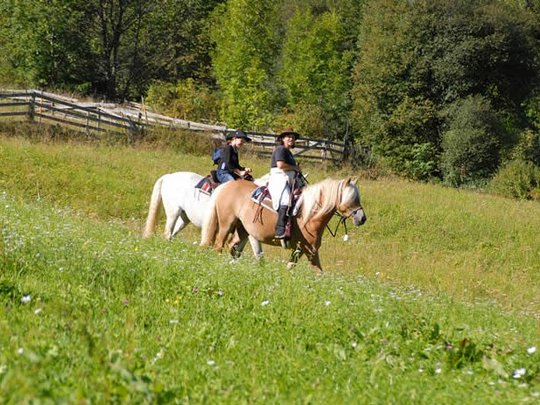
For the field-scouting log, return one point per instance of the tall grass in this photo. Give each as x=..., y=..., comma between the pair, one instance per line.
x=468, y=245
x=434, y=300
x=90, y=312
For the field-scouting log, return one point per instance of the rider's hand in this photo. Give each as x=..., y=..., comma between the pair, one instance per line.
x=247, y=170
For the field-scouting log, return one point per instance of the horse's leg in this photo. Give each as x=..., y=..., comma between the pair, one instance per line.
x=238, y=242
x=181, y=221
x=316, y=263
x=257, y=248
x=223, y=232
x=173, y=215
x=295, y=255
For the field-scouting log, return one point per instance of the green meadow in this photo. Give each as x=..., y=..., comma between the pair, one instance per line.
x=436, y=299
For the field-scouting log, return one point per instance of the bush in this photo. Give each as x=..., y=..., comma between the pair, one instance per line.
x=528, y=147
x=423, y=162
x=518, y=179
x=472, y=143
x=185, y=99
x=307, y=119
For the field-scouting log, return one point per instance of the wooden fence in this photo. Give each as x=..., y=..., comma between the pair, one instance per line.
x=132, y=119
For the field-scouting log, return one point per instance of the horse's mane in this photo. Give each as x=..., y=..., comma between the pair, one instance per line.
x=322, y=197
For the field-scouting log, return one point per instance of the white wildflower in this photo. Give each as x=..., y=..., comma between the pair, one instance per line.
x=20, y=351
x=211, y=362
x=38, y=311
x=327, y=303
x=159, y=355
x=265, y=302
x=26, y=299
x=173, y=321
x=531, y=350
x=345, y=238
x=520, y=372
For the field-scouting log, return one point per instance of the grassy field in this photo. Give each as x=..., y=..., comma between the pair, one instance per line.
x=434, y=300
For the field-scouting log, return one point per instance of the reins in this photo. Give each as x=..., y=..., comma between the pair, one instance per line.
x=342, y=220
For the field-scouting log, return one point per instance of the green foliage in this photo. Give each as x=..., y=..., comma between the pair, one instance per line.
x=306, y=118
x=437, y=53
x=527, y=147
x=111, y=48
x=186, y=99
x=517, y=179
x=44, y=44
x=245, y=33
x=315, y=69
x=423, y=162
x=472, y=142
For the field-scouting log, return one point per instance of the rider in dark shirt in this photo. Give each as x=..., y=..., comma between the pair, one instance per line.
x=283, y=170
x=229, y=167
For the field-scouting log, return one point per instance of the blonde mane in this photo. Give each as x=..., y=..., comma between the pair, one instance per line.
x=321, y=198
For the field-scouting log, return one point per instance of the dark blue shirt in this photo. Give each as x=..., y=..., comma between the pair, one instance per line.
x=283, y=154
x=229, y=159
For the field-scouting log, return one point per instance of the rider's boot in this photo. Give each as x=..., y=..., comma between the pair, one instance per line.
x=281, y=221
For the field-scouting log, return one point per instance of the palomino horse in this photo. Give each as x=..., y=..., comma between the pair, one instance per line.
x=231, y=205
x=183, y=203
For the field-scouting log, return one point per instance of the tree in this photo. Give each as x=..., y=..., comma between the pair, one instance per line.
x=316, y=69
x=43, y=43
x=246, y=37
x=434, y=53
x=114, y=48
x=472, y=142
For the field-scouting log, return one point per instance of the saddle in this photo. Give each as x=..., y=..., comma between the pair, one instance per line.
x=209, y=183
x=261, y=196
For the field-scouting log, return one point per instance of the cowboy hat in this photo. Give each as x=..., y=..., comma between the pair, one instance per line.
x=237, y=134
x=286, y=132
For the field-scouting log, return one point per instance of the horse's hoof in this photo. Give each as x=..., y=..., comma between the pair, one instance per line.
x=290, y=265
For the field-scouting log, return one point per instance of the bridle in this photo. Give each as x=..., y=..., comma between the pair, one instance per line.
x=343, y=220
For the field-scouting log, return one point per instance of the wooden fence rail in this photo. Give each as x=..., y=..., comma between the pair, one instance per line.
x=132, y=118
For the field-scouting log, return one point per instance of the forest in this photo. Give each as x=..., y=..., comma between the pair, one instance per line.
x=431, y=90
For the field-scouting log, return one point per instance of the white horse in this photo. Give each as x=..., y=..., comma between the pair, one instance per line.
x=183, y=204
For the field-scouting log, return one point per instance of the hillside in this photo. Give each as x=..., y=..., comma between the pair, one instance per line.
x=434, y=299
x=469, y=245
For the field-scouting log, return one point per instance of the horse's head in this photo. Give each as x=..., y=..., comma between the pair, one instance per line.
x=350, y=205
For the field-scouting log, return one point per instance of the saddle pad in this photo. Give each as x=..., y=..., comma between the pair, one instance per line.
x=261, y=196
x=205, y=185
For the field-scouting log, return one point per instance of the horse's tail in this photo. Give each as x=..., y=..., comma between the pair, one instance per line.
x=153, y=211
x=210, y=224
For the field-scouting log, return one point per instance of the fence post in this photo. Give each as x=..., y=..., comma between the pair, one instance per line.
x=31, y=107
